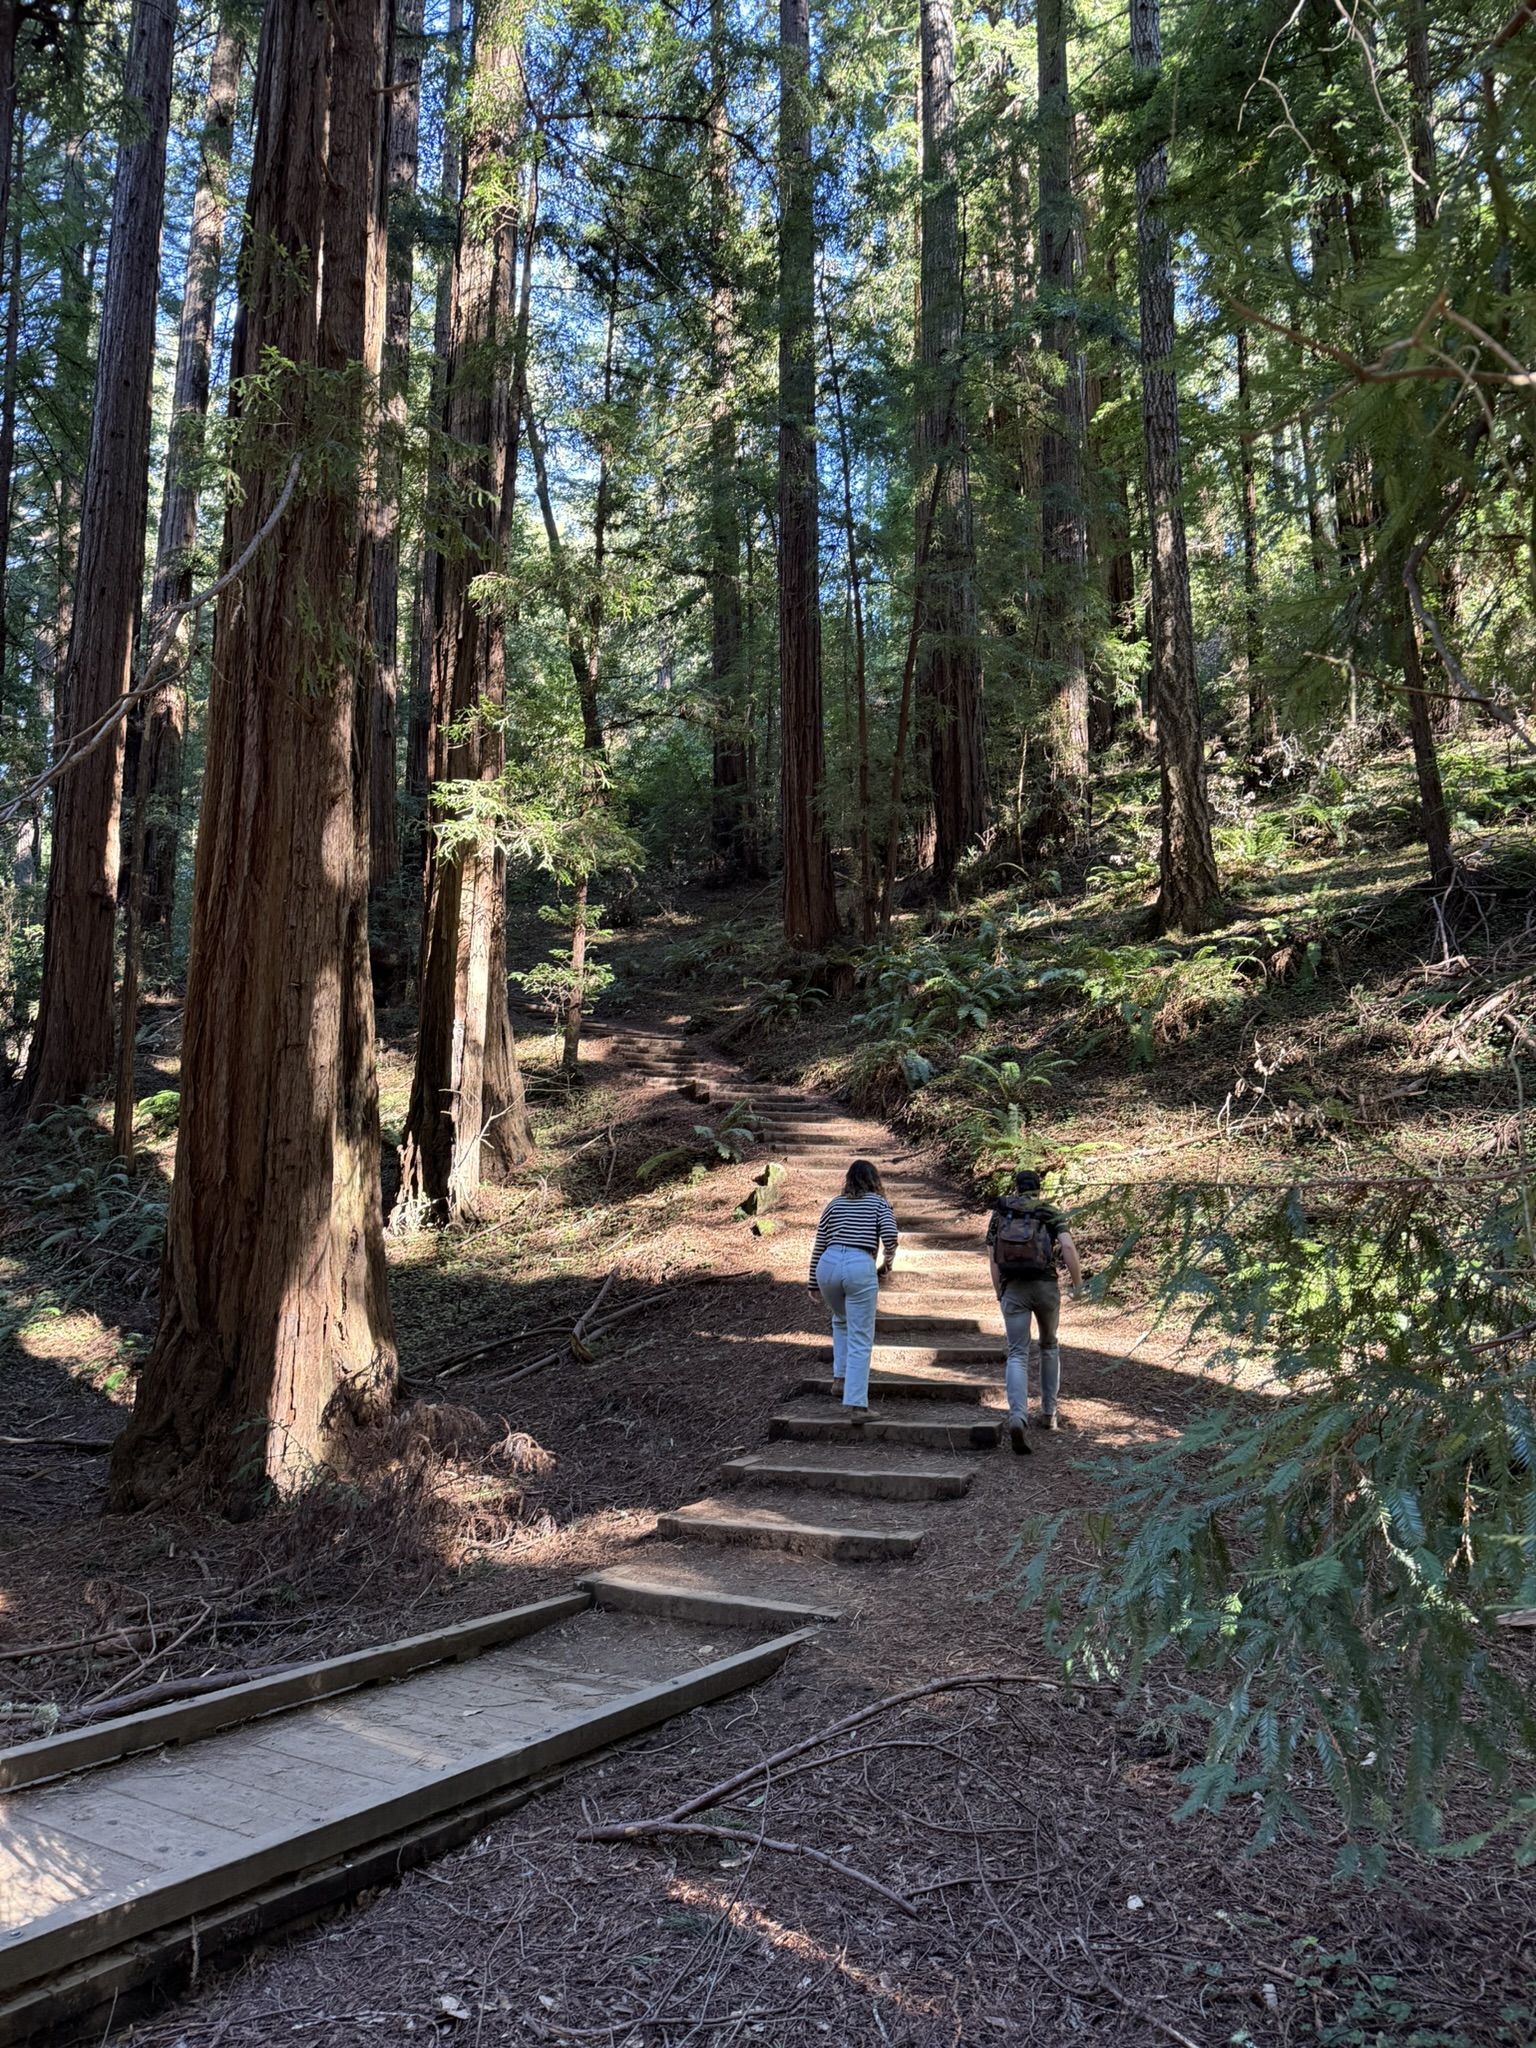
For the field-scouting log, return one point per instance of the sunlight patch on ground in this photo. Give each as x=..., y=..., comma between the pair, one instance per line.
x=796, y=1942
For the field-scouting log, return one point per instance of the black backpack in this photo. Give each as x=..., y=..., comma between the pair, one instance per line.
x=1024, y=1247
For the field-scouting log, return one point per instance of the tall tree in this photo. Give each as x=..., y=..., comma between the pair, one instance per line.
x=810, y=901
x=1190, y=887
x=1261, y=710
x=162, y=731
x=418, y=731
x=1063, y=508
x=404, y=120
x=467, y=1123
x=275, y=1337
x=15, y=282
x=949, y=658
x=72, y=1044
x=733, y=823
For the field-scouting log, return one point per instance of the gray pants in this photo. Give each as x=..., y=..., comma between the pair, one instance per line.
x=1020, y=1300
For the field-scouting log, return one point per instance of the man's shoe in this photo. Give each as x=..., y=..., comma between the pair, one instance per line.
x=1051, y=1422
x=1018, y=1436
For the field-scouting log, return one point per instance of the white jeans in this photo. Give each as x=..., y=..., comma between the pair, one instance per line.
x=850, y=1289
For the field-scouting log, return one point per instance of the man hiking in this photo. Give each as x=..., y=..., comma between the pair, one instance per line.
x=1025, y=1238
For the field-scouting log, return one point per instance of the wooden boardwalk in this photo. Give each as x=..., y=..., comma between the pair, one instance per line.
x=124, y=1869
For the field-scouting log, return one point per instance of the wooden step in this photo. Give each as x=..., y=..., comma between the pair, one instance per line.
x=690, y=1596
x=918, y=1433
x=849, y=1474
x=944, y=1356
x=712, y=1521
x=903, y=1386
x=906, y=1321
x=98, y=1861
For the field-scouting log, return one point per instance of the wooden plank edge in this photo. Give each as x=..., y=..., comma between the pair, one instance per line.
x=841, y=1544
x=105, y=1742
x=688, y=1603
x=125, y=1983
x=53, y=1949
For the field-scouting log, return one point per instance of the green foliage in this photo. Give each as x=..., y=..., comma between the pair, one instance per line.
x=554, y=978
x=21, y=970
x=1328, y=1554
x=727, y=1142
x=779, y=1005
x=1005, y=1090
x=161, y=1111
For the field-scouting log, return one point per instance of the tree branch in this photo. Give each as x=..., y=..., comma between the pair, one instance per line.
x=165, y=627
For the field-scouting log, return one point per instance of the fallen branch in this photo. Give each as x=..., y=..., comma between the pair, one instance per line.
x=584, y=1321
x=755, y=1841
x=88, y=1447
x=583, y=1332
x=624, y=1831
x=164, y=625
x=128, y=1635
x=1112, y=1990
x=456, y=1361
x=168, y=1690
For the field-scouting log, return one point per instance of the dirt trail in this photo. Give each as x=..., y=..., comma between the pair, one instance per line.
x=1028, y=1828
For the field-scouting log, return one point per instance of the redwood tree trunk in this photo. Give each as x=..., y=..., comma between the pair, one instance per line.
x=467, y=1122
x=72, y=1045
x=10, y=31
x=1063, y=509
x=14, y=285
x=810, y=901
x=162, y=729
x=275, y=1330
x=949, y=657
x=1434, y=812
x=405, y=111
x=418, y=732
x=1190, y=888
x=1261, y=711
x=733, y=822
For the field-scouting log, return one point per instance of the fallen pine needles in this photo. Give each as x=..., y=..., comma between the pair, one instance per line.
x=628, y=1831
x=755, y=1841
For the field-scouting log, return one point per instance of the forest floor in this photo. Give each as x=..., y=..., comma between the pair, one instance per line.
x=1057, y=1897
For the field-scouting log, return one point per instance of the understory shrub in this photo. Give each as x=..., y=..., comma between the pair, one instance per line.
x=1328, y=1554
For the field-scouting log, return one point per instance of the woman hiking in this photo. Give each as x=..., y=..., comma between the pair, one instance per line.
x=1026, y=1237
x=855, y=1227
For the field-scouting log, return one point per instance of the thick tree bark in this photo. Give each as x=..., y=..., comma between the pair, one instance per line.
x=10, y=34
x=405, y=112
x=868, y=905
x=1261, y=711
x=733, y=809
x=13, y=298
x=949, y=659
x=418, y=732
x=162, y=727
x=810, y=901
x=467, y=1123
x=1421, y=90
x=72, y=1046
x=1063, y=510
x=1434, y=812
x=275, y=1336
x=1190, y=887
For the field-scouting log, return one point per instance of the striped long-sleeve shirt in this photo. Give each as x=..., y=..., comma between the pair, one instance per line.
x=862, y=1222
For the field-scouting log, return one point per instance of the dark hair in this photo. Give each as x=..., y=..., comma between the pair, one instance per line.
x=1026, y=1182
x=863, y=1179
